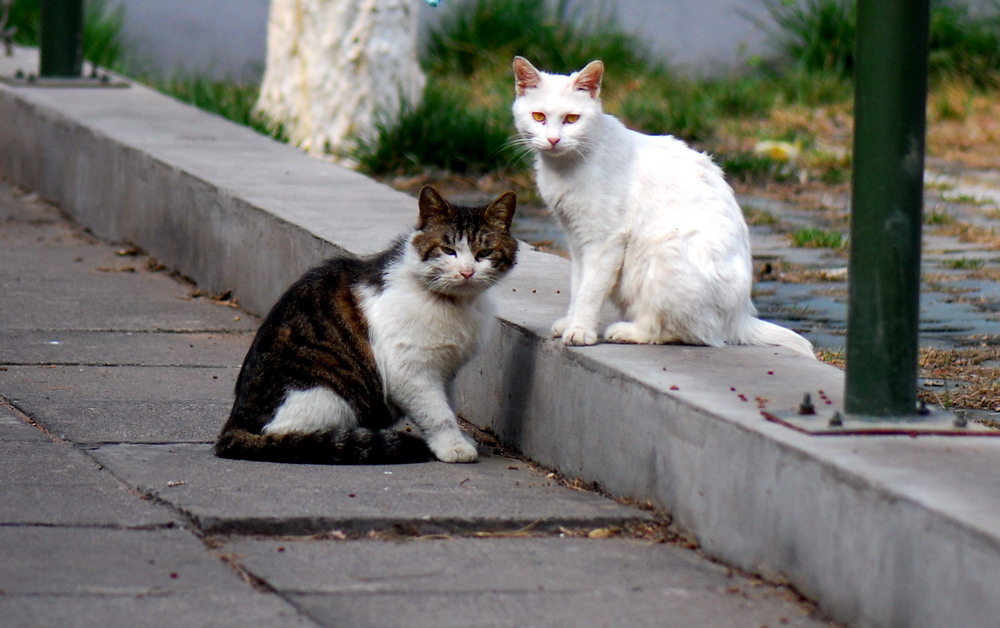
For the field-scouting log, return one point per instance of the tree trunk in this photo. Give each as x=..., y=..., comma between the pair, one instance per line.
x=336, y=66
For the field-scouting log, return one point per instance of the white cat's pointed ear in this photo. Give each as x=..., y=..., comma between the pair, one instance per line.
x=500, y=213
x=525, y=76
x=589, y=79
x=432, y=205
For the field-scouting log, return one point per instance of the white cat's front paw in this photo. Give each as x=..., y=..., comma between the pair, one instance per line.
x=579, y=336
x=559, y=327
x=627, y=333
x=453, y=446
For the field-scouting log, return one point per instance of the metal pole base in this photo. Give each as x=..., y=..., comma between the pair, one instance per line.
x=30, y=80
x=925, y=421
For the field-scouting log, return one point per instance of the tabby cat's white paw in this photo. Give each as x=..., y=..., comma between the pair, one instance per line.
x=453, y=447
x=579, y=336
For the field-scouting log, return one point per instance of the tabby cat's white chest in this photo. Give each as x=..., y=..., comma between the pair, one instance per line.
x=409, y=326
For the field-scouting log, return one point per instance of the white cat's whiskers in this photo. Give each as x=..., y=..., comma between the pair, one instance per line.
x=521, y=146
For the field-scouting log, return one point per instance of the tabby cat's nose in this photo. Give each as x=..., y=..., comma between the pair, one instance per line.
x=466, y=273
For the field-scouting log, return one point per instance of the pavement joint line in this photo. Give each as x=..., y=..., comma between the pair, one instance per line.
x=393, y=527
x=142, y=527
x=260, y=583
x=11, y=407
x=158, y=365
x=221, y=331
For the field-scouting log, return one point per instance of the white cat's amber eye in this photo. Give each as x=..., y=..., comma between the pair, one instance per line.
x=538, y=116
x=571, y=118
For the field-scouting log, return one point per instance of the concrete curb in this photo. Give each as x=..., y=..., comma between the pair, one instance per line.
x=882, y=531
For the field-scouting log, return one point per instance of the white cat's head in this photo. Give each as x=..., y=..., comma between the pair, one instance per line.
x=553, y=112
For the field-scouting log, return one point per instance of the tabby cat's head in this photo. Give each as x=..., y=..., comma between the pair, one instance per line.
x=553, y=112
x=464, y=250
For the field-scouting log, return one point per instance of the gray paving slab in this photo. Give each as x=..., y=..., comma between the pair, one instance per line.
x=584, y=609
x=100, y=291
x=514, y=582
x=14, y=429
x=132, y=348
x=97, y=421
x=230, y=609
x=93, y=561
x=123, y=403
x=52, y=483
x=235, y=496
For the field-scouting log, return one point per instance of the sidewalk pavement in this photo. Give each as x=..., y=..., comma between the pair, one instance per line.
x=114, y=379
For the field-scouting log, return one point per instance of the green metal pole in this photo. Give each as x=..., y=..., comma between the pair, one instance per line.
x=61, y=38
x=887, y=198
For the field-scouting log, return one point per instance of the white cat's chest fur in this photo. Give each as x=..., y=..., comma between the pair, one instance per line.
x=641, y=187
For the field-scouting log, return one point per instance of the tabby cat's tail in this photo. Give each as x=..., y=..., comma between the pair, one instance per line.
x=353, y=446
x=755, y=331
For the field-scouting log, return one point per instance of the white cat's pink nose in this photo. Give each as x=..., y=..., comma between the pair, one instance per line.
x=467, y=273
x=553, y=140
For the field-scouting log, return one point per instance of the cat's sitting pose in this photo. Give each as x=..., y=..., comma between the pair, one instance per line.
x=651, y=223
x=357, y=345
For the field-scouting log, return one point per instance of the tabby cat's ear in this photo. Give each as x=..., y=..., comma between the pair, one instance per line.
x=432, y=206
x=589, y=79
x=500, y=212
x=525, y=76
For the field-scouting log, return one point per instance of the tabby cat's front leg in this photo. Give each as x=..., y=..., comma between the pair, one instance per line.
x=425, y=402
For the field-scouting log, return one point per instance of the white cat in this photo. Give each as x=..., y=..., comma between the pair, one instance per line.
x=651, y=223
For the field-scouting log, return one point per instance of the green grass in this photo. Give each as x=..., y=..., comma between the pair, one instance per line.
x=441, y=132
x=749, y=167
x=965, y=264
x=758, y=217
x=486, y=34
x=965, y=199
x=691, y=109
x=818, y=36
x=938, y=218
x=818, y=238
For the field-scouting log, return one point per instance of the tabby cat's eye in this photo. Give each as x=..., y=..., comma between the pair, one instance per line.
x=571, y=118
x=447, y=250
x=538, y=116
x=484, y=253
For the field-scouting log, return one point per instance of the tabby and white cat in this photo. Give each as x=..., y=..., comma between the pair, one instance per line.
x=357, y=345
x=651, y=223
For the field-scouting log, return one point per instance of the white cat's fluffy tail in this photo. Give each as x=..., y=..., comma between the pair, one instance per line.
x=754, y=331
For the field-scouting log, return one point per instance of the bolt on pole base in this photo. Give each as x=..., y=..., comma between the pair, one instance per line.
x=923, y=421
